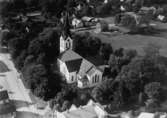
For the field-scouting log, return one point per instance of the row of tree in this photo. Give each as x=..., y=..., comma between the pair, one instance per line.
x=33, y=45
x=133, y=79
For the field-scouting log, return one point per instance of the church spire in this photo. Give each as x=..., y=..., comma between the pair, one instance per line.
x=66, y=25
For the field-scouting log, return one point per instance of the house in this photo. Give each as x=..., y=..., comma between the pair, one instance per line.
x=7, y=110
x=76, y=23
x=78, y=70
x=34, y=14
x=146, y=115
x=105, y=1
x=89, y=111
x=65, y=43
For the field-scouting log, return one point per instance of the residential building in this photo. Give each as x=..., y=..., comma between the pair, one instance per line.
x=78, y=70
x=89, y=111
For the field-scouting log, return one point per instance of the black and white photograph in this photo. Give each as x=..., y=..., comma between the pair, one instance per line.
x=83, y=58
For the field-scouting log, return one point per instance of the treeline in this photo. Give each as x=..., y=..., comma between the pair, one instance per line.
x=133, y=80
x=33, y=44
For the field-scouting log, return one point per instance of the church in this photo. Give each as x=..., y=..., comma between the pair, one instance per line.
x=74, y=67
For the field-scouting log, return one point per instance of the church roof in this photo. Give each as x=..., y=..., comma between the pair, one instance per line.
x=73, y=65
x=69, y=55
x=91, y=71
x=76, y=63
x=85, y=67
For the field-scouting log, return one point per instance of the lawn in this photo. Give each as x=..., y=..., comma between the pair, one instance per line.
x=135, y=41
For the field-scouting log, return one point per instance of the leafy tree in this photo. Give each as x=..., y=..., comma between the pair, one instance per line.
x=153, y=90
x=84, y=98
x=104, y=91
x=105, y=51
x=66, y=105
x=87, y=45
x=19, y=61
x=6, y=36
x=53, y=7
x=138, y=73
x=37, y=80
x=16, y=46
x=119, y=59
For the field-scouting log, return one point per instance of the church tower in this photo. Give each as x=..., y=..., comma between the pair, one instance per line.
x=65, y=39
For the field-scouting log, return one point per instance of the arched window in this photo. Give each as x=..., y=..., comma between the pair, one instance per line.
x=95, y=78
x=68, y=44
x=72, y=78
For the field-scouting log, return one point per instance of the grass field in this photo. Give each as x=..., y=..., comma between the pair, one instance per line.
x=135, y=41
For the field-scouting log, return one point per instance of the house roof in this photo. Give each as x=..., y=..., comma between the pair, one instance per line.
x=146, y=115
x=3, y=95
x=85, y=67
x=69, y=55
x=3, y=67
x=73, y=65
x=91, y=71
x=75, y=62
x=32, y=14
x=81, y=112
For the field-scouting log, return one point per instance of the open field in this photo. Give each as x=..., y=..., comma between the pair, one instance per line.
x=135, y=41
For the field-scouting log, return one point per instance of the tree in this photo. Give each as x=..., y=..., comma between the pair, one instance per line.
x=104, y=91
x=66, y=105
x=19, y=61
x=153, y=90
x=84, y=98
x=87, y=45
x=16, y=46
x=94, y=46
x=37, y=80
x=105, y=51
x=6, y=36
x=53, y=7
x=119, y=59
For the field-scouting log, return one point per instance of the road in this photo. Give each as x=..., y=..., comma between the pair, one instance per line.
x=11, y=81
x=16, y=88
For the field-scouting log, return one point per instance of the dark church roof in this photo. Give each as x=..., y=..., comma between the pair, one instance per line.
x=73, y=65
x=76, y=63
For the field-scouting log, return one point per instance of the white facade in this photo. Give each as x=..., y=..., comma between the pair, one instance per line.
x=93, y=80
x=73, y=77
x=65, y=44
x=88, y=111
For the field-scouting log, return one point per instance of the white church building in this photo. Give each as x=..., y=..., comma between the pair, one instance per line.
x=75, y=68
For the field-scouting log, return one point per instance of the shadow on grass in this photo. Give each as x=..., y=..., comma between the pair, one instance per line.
x=149, y=32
